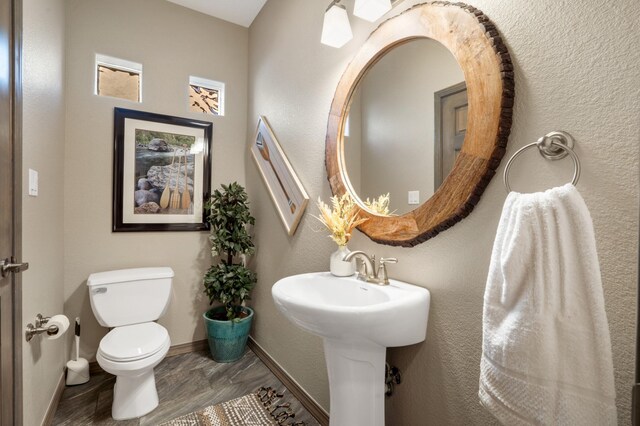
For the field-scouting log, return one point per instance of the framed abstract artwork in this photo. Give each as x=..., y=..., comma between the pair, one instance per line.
x=161, y=172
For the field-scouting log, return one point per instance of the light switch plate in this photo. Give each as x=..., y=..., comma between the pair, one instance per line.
x=33, y=183
x=414, y=197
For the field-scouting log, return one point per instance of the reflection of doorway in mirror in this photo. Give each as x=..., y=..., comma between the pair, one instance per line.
x=451, y=109
x=389, y=148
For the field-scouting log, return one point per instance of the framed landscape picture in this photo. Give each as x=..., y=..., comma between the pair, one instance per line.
x=161, y=172
x=283, y=184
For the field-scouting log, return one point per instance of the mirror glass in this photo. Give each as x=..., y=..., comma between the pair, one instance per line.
x=406, y=124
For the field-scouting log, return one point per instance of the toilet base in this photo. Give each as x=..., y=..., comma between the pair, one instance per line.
x=134, y=396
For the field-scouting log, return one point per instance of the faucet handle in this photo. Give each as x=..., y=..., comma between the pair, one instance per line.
x=382, y=269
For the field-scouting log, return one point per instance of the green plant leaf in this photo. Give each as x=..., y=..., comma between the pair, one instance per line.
x=227, y=211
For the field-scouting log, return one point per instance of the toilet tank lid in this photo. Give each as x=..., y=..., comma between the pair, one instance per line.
x=124, y=275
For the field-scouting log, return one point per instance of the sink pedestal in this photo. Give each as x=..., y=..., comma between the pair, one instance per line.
x=356, y=382
x=357, y=322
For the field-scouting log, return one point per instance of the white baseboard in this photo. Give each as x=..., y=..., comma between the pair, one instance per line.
x=53, y=404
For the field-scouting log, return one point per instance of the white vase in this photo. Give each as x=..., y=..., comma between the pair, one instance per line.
x=339, y=267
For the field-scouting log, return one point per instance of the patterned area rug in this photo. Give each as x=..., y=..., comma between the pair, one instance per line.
x=256, y=409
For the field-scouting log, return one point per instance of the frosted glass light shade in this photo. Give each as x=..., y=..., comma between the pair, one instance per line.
x=336, y=30
x=371, y=10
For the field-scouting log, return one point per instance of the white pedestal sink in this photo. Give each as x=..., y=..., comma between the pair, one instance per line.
x=357, y=322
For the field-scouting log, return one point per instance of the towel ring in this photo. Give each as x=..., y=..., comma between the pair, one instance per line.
x=552, y=146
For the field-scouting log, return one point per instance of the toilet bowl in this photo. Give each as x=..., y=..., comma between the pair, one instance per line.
x=131, y=353
x=130, y=300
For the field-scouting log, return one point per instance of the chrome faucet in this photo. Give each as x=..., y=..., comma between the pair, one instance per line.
x=367, y=262
x=370, y=274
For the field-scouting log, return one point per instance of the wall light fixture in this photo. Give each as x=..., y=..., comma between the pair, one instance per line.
x=336, y=29
x=371, y=10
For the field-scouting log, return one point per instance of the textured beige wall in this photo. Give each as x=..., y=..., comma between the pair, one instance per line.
x=576, y=70
x=42, y=216
x=171, y=43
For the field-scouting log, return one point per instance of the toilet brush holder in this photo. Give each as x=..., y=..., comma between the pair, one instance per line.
x=77, y=372
x=78, y=369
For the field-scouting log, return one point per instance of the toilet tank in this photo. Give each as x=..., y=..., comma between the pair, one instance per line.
x=130, y=296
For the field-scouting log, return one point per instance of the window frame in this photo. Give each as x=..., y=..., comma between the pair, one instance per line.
x=209, y=84
x=118, y=64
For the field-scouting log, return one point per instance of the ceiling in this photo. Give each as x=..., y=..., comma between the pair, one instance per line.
x=241, y=12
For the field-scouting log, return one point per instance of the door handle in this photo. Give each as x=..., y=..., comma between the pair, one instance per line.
x=7, y=266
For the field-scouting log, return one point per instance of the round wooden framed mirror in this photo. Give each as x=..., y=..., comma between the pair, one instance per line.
x=363, y=137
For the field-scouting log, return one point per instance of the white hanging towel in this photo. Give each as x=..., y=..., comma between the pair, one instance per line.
x=546, y=350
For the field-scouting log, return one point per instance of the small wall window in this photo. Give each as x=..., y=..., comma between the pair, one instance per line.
x=118, y=78
x=206, y=96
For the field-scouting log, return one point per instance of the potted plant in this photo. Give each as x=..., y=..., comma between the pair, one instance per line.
x=229, y=281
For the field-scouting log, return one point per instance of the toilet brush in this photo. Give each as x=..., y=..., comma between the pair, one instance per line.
x=78, y=369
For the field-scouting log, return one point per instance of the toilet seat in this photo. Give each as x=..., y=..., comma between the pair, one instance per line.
x=133, y=342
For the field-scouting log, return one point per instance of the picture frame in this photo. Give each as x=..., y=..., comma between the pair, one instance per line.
x=161, y=172
x=287, y=193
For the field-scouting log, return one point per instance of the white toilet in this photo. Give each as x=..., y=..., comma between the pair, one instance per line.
x=130, y=300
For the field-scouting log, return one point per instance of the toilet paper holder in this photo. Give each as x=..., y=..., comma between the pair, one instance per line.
x=40, y=328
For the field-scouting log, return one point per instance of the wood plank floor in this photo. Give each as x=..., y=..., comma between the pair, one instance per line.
x=185, y=383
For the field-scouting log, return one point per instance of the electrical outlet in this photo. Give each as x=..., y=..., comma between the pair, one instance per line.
x=414, y=197
x=33, y=183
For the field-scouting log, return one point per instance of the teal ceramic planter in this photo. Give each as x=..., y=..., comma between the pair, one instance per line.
x=227, y=339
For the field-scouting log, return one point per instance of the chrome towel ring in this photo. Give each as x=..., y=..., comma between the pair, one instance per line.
x=552, y=146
